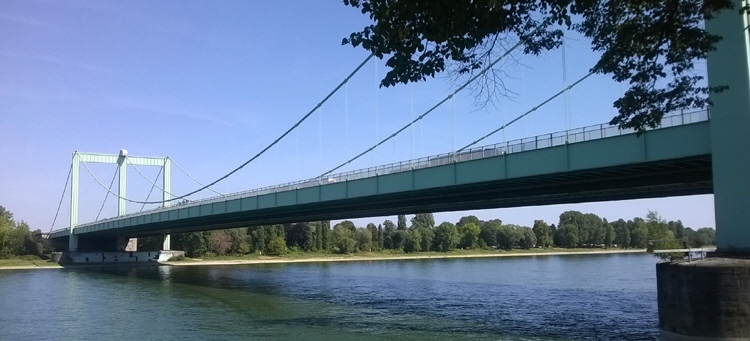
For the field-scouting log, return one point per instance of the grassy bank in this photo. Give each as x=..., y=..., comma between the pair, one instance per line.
x=294, y=257
x=26, y=262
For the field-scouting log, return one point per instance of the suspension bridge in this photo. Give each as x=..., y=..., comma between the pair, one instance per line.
x=547, y=169
x=694, y=152
x=594, y=163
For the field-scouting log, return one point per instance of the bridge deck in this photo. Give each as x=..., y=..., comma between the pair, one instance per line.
x=593, y=166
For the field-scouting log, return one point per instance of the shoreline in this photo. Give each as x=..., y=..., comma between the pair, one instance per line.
x=343, y=258
x=390, y=257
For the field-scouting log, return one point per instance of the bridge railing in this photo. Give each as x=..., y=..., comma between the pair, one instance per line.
x=588, y=133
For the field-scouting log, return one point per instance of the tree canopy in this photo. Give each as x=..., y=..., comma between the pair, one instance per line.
x=650, y=45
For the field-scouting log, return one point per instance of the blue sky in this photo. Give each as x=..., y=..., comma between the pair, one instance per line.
x=210, y=84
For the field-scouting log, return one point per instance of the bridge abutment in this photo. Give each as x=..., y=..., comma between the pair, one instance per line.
x=709, y=300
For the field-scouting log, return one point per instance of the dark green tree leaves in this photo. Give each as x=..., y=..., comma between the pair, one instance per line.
x=650, y=45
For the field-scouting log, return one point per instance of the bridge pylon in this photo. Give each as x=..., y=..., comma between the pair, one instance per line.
x=710, y=299
x=122, y=159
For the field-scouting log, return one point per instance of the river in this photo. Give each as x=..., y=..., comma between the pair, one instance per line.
x=572, y=297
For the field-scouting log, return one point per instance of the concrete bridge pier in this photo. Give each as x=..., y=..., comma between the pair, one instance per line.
x=167, y=245
x=709, y=300
x=127, y=244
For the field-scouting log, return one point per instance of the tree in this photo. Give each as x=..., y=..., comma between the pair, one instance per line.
x=592, y=231
x=6, y=227
x=388, y=229
x=257, y=238
x=677, y=228
x=298, y=236
x=220, y=242
x=609, y=234
x=638, y=233
x=650, y=45
x=193, y=243
x=423, y=220
x=347, y=224
x=657, y=227
x=622, y=233
x=446, y=237
x=703, y=237
x=508, y=236
x=469, y=236
x=401, y=222
x=381, y=237
x=397, y=239
x=45, y=245
x=376, y=235
x=239, y=240
x=567, y=235
x=428, y=237
x=528, y=239
x=470, y=219
x=364, y=239
x=277, y=246
x=488, y=235
x=325, y=235
x=150, y=243
x=543, y=233
x=342, y=239
x=412, y=241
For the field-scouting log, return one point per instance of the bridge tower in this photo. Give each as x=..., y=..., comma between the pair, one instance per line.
x=121, y=160
x=730, y=130
x=710, y=299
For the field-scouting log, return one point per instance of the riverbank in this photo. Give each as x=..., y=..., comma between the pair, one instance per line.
x=380, y=256
x=21, y=263
x=310, y=257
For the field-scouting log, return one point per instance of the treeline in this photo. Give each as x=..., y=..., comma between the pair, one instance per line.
x=16, y=239
x=573, y=230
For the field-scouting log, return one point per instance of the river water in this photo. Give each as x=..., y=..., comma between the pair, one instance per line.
x=574, y=297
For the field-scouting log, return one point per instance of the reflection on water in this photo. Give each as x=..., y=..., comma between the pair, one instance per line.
x=580, y=297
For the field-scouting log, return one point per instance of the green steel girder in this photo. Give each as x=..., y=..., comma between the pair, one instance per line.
x=664, y=162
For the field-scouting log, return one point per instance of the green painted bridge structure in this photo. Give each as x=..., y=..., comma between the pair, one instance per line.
x=710, y=156
x=595, y=163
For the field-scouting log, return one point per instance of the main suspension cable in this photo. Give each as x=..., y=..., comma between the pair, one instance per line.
x=114, y=176
x=450, y=96
x=62, y=197
x=330, y=94
x=153, y=184
x=192, y=178
x=145, y=177
x=526, y=113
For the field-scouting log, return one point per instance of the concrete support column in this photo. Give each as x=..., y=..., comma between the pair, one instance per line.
x=167, y=186
x=130, y=244
x=122, y=188
x=167, y=246
x=730, y=130
x=127, y=244
x=709, y=300
x=74, y=183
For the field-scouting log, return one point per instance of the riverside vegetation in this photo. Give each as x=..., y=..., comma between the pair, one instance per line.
x=574, y=230
x=18, y=244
